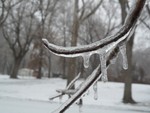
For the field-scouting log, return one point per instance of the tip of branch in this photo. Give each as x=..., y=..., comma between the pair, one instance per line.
x=45, y=41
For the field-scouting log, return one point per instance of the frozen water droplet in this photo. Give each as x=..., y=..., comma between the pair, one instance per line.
x=95, y=91
x=80, y=101
x=113, y=60
x=88, y=92
x=103, y=68
x=122, y=49
x=60, y=99
x=95, y=87
x=110, y=47
x=86, y=60
x=104, y=78
x=80, y=109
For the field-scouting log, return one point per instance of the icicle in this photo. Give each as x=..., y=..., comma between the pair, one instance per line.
x=124, y=56
x=95, y=91
x=109, y=47
x=88, y=92
x=86, y=59
x=80, y=109
x=60, y=99
x=103, y=68
x=113, y=60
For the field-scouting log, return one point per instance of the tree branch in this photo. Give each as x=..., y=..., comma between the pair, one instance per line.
x=148, y=9
x=129, y=23
x=142, y=20
x=92, y=12
x=68, y=89
x=96, y=74
x=113, y=42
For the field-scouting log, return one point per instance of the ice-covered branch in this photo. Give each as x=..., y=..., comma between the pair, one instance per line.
x=73, y=81
x=68, y=89
x=129, y=22
x=107, y=48
x=92, y=79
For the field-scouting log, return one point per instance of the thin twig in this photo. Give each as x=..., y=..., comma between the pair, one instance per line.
x=67, y=91
x=73, y=81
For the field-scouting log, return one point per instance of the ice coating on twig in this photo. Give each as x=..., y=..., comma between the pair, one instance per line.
x=73, y=81
x=86, y=59
x=101, y=51
x=122, y=49
x=77, y=51
x=82, y=88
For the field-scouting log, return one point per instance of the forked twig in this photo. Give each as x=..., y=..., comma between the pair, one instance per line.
x=68, y=89
x=73, y=81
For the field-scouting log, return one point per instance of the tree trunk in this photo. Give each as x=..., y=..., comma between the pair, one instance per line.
x=4, y=65
x=49, y=67
x=127, y=97
x=15, y=68
x=39, y=75
x=64, y=68
x=72, y=61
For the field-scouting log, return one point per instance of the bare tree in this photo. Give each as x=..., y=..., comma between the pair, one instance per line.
x=46, y=12
x=5, y=7
x=97, y=27
x=145, y=20
x=4, y=11
x=18, y=32
x=107, y=48
x=127, y=97
x=5, y=57
x=77, y=20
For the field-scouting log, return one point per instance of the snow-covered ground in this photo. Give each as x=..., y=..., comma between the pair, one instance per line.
x=29, y=95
